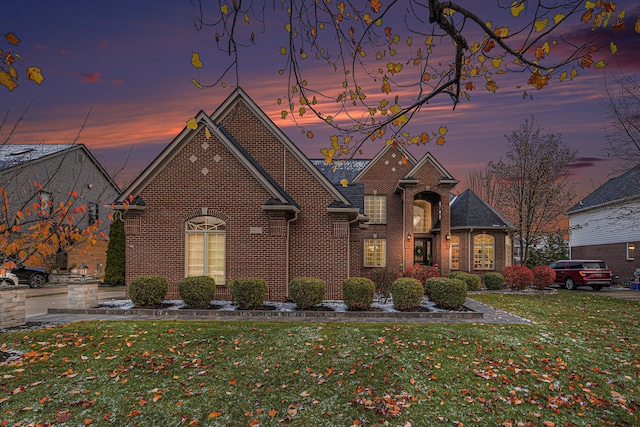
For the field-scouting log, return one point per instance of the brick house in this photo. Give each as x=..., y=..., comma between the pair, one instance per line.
x=234, y=197
x=60, y=169
x=604, y=225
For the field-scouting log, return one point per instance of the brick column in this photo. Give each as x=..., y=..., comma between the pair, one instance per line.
x=12, y=306
x=82, y=294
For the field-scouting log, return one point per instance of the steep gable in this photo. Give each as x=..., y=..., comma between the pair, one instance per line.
x=428, y=159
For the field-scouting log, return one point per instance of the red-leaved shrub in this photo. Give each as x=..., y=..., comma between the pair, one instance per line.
x=517, y=277
x=543, y=276
x=421, y=272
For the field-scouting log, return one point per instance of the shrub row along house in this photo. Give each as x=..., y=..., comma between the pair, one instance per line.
x=233, y=197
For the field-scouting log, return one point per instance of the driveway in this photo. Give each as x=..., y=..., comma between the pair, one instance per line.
x=55, y=296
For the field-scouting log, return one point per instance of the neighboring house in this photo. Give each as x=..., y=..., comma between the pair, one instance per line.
x=235, y=198
x=60, y=169
x=606, y=224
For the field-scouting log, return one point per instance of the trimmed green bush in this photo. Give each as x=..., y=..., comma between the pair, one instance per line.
x=148, y=291
x=428, y=284
x=197, y=292
x=307, y=292
x=358, y=292
x=249, y=293
x=407, y=293
x=472, y=280
x=449, y=294
x=493, y=281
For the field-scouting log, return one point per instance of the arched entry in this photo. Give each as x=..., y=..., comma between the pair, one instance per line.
x=426, y=212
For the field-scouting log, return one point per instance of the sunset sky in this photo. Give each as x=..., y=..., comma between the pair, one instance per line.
x=127, y=65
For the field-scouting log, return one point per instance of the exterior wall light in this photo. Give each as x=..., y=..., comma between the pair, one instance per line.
x=447, y=236
x=83, y=269
x=408, y=236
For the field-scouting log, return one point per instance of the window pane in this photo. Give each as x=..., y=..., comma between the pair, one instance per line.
x=216, y=257
x=483, y=252
x=455, y=252
x=421, y=216
x=375, y=253
x=195, y=254
x=375, y=207
x=631, y=250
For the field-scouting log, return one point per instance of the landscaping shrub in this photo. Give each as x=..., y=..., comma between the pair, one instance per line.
x=249, y=293
x=358, y=292
x=493, y=281
x=428, y=284
x=197, y=292
x=115, y=267
x=421, y=272
x=449, y=294
x=148, y=291
x=307, y=292
x=407, y=293
x=472, y=280
x=517, y=277
x=383, y=279
x=543, y=276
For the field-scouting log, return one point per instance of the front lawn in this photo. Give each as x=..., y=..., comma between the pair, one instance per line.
x=579, y=365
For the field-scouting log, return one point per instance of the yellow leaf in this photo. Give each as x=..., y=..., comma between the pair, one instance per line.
x=7, y=81
x=287, y=27
x=589, y=5
x=541, y=24
x=192, y=124
x=517, y=7
x=443, y=130
x=638, y=24
x=283, y=50
x=563, y=76
x=574, y=73
x=496, y=62
x=386, y=87
x=429, y=41
x=440, y=140
x=559, y=17
x=224, y=9
x=613, y=47
x=195, y=60
x=207, y=133
x=283, y=114
x=196, y=84
x=492, y=86
x=344, y=183
x=309, y=134
x=33, y=73
x=600, y=64
x=246, y=18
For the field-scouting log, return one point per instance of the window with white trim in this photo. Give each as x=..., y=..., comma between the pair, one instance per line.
x=455, y=252
x=483, y=252
x=631, y=250
x=205, y=248
x=421, y=216
x=375, y=207
x=375, y=252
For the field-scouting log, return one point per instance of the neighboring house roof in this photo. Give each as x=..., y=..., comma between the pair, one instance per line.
x=616, y=189
x=469, y=211
x=14, y=155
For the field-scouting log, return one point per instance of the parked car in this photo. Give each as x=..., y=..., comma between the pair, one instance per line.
x=576, y=272
x=8, y=279
x=35, y=277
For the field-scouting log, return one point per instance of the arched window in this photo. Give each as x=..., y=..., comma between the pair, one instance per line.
x=421, y=216
x=205, y=251
x=455, y=252
x=483, y=252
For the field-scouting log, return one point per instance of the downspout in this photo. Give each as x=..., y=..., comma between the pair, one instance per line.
x=404, y=227
x=286, y=253
x=349, y=245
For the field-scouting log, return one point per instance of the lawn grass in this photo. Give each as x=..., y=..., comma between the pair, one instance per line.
x=578, y=365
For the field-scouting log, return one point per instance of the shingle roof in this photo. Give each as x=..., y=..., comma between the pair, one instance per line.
x=622, y=187
x=469, y=210
x=341, y=169
x=16, y=154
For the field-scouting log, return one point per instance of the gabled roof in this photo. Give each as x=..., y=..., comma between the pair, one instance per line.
x=378, y=156
x=279, y=196
x=445, y=176
x=340, y=169
x=616, y=189
x=14, y=155
x=470, y=211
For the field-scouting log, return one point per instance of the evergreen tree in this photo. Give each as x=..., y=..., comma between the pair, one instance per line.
x=114, y=271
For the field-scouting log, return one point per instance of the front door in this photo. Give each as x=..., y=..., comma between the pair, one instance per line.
x=422, y=251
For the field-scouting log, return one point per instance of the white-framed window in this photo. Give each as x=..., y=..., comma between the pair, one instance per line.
x=46, y=203
x=483, y=252
x=421, y=216
x=375, y=252
x=375, y=207
x=455, y=252
x=92, y=213
x=205, y=248
x=631, y=250
x=508, y=247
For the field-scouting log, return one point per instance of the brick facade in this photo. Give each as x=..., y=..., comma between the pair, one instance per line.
x=282, y=218
x=614, y=254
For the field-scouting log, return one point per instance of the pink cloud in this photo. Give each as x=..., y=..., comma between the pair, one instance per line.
x=90, y=77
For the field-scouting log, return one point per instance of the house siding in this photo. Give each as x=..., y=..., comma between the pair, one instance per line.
x=615, y=223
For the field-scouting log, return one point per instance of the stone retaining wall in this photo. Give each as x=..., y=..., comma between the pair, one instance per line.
x=12, y=306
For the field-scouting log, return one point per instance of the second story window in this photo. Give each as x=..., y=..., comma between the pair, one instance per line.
x=375, y=207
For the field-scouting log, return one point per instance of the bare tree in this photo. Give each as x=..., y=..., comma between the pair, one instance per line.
x=481, y=182
x=388, y=59
x=623, y=129
x=535, y=186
